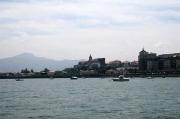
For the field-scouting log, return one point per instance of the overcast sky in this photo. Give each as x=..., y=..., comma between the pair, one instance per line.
x=72, y=29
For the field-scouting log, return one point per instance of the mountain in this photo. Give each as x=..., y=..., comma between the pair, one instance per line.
x=27, y=60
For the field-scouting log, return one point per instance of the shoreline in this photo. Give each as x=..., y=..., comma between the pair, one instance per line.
x=130, y=76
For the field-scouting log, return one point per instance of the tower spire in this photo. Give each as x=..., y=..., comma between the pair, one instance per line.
x=90, y=58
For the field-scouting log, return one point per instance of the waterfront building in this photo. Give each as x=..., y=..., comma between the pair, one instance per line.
x=88, y=73
x=169, y=62
x=147, y=61
x=115, y=64
x=112, y=72
x=91, y=64
x=115, y=68
x=151, y=62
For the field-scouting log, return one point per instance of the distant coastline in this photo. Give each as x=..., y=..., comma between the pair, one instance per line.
x=148, y=65
x=98, y=76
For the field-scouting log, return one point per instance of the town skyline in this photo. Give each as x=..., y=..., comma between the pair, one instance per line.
x=85, y=58
x=73, y=29
x=148, y=63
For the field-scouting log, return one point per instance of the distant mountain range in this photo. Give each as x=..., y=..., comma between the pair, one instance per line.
x=27, y=60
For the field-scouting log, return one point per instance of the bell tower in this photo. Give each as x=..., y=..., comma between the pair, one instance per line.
x=90, y=58
x=142, y=59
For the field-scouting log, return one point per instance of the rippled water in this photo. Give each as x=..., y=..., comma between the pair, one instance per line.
x=90, y=99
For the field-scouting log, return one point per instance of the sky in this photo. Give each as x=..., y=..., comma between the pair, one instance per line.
x=73, y=29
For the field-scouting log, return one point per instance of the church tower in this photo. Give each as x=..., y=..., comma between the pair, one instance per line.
x=90, y=58
x=142, y=59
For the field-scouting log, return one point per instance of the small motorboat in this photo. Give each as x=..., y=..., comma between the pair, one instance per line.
x=51, y=77
x=121, y=78
x=74, y=78
x=150, y=77
x=18, y=79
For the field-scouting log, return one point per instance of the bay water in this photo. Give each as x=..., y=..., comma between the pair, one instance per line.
x=90, y=98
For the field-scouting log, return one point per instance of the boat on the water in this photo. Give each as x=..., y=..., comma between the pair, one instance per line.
x=18, y=79
x=51, y=77
x=150, y=77
x=121, y=78
x=74, y=78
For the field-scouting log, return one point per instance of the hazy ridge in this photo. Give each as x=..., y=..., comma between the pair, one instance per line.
x=28, y=60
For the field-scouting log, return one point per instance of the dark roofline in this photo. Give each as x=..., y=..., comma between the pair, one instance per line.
x=169, y=55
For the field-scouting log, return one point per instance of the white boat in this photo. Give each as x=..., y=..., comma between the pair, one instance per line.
x=18, y=79
x=150, y=77
x=121, y=78
x=74, y=78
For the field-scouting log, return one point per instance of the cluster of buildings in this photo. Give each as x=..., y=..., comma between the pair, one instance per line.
x=165, y=63
x=147, y=63
x=91, y=63
x=91, y=67
x=98, y=67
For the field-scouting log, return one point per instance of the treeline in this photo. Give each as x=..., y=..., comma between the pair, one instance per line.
x=45, y=73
